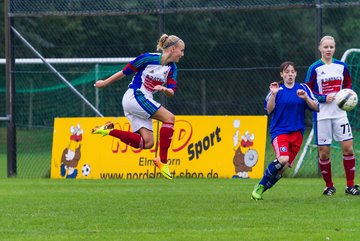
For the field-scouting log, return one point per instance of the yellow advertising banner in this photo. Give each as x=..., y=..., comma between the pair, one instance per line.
x=202, y=147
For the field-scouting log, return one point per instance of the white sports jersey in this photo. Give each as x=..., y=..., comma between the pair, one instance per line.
x=138, y=103
x=150, y=73
x=324, y=79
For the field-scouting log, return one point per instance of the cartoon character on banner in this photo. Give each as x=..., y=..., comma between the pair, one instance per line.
x=72, y=153
x=243, y=162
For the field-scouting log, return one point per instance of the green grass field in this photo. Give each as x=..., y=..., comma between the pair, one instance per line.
x=156, y=209
x=183, y=209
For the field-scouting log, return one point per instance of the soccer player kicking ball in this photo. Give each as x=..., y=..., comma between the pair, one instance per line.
x=285, y=104
x=153, y=72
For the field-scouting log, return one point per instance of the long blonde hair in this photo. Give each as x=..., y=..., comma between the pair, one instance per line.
x=167, y=41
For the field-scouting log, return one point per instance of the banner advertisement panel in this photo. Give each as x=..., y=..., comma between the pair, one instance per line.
x=202, y=147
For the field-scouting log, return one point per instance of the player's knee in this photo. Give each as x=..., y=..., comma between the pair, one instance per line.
x=324, y=155
x=149, y=144
x=170, y=118
x=148, y=141
x=347, y=147
x=283, y=160
x=348, y=151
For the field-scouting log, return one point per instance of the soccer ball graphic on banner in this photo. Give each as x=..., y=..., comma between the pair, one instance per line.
x=86, y=170
x=346, y=99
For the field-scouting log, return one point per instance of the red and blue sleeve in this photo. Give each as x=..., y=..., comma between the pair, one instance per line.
x=347, y=84
x=172, y=77
x=134, y=65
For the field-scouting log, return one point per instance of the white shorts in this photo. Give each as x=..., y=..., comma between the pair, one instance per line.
x=138, y=109
x=338, y=128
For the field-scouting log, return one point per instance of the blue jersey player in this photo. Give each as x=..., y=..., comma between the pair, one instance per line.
x=285, y=104
x=153, y=72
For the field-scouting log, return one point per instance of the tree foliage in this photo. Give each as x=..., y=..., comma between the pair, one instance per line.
x=232, y=54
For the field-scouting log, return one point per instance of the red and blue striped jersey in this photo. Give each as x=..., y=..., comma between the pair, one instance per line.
x=324, y=79
x=149, y=72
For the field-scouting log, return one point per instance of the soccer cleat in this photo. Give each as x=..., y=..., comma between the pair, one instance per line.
x=103, y=130
x=257, y=192
x=352, y=190
x=329, y=191
x=164, y=168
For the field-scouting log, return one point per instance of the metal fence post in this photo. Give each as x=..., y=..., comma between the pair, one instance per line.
x=10, y=91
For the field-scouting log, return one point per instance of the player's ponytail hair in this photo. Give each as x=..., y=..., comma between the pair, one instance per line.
x=167, y=41
x=326, y=38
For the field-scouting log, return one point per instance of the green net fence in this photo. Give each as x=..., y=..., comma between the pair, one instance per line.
x=233, y=51
x=86, y=7
x=41, y=96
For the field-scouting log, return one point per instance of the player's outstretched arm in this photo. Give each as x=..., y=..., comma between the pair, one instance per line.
x=111, y=79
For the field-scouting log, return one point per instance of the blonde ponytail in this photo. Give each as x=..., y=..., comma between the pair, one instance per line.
x=167, y=41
